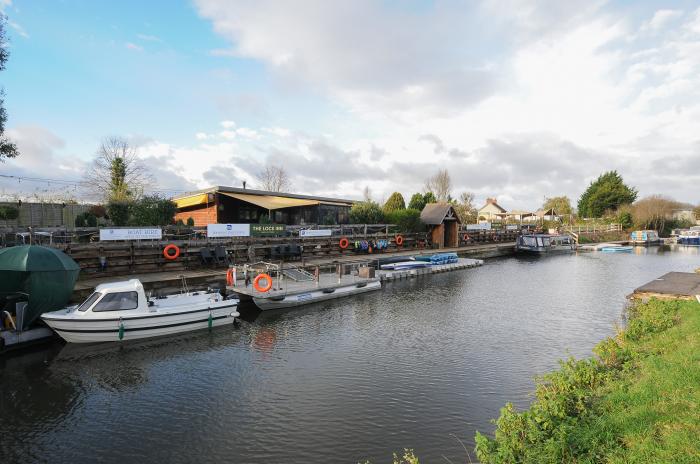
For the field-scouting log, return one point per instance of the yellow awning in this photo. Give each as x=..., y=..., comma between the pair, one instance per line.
x=193, y=200
x=270, y=201
x=334, y=203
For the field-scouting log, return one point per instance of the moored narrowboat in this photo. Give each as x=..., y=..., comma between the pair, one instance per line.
x=544, y=243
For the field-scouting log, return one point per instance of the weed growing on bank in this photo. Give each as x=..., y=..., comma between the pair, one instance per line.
x=638, y=400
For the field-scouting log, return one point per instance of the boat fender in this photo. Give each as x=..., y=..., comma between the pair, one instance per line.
x=171, y=256
x=209, y=321
x=266, y=278
x=231, y=277
x=399, y=240
x=344, y=242
x=121, y=329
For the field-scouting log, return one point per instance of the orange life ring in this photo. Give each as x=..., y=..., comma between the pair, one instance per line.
x=166, y=252
x=399, y=240
x=343, y=244
x=229, y=277
x=466, y=237
x=258, y=287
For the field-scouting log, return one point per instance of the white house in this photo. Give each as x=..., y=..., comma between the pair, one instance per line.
x=491, y=211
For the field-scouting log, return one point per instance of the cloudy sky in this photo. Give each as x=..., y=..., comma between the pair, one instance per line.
x=518, y=99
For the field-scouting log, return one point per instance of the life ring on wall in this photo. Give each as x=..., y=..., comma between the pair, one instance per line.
x=168, y=255
x=260, y=288
x=399, y=240
x=465, y=237
x=343, y=243
x=230, y=277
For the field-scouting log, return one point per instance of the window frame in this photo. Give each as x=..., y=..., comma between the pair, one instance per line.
x=83, y=307
x=96, y=310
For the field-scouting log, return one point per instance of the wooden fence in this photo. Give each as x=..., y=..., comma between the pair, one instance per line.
x=145, y=256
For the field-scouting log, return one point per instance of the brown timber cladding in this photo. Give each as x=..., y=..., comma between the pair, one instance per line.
x=202, y=215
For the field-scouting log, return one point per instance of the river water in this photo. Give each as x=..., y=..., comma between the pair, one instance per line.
x=422, y=364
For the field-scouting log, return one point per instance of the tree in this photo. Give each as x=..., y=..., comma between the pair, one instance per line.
x=440, y=184
x=366, y=212
x=653, y=212
x=117, y=174
x=394, y=203
x=7, y=148
x=407, y=220
x=696, y=212
x=152, y=210
x=274, y=179
x=367, y=194
x=465, y=208
x=560, y=205
x=607, y=192
x=118, y=212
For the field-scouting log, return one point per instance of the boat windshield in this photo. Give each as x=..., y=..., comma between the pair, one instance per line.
x=118, y=301
x=87, y=303
x=529, y=241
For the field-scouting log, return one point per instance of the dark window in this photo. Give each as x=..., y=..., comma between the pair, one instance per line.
x=118, y=301
x=87, y=303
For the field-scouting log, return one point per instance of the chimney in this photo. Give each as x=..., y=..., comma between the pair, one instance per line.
x=490, y=201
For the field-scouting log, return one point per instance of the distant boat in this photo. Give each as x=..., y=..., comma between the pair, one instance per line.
x=689, y=237
x=645, y=237
x=404, y=265
x=616, y=249
x=544, y=243
x=120, y=311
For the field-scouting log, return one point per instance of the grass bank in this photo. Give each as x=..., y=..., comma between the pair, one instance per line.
x=636, y=401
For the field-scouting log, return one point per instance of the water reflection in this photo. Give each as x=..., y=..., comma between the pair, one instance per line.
x=414, y=365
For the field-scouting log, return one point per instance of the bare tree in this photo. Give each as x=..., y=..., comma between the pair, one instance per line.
x=117, y=174
x=440, y=184
x=274, y=179
x=653, y=211
x=465, y=208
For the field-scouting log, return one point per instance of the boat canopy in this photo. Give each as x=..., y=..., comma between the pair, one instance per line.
x=45, y=275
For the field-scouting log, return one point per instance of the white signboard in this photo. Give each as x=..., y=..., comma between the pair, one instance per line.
x=511, y=227
x=482, y=226
x=315, y=233
x=228, y=230
x=131, y=234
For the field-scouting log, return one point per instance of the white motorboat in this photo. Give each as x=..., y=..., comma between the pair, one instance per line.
x=121, y=311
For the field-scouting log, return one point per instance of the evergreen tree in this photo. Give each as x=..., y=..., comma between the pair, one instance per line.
x=394, y=203
x=608, y=192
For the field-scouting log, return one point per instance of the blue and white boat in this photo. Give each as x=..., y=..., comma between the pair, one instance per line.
x=690, y=237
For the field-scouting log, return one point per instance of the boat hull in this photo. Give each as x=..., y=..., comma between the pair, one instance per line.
x=314, y=296
x=135, y=328
x=689, y=241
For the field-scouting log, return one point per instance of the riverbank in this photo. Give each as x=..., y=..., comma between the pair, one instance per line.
x=638, y=400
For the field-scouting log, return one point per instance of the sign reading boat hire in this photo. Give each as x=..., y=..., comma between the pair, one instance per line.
x=228, y=230
x=131, y=234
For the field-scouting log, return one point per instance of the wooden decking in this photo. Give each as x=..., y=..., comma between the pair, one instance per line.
x=678, y=285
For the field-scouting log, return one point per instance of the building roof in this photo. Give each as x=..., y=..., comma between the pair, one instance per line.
x=492, y=201
x=437, y=213
x=262, y=196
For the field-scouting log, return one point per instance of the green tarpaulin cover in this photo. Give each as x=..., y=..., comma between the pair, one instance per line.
x=46, y=275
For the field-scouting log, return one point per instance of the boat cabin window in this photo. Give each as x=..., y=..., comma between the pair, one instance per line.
x=87, y=303
x=118, y=302
x=529, y=241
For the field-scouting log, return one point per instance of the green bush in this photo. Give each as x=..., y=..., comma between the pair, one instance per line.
x=152, y=210
x=408, y=220
x=366, y=212
x=190, y=221
x=9, y=213
x=86, y=219
x=394, y=203
x=119, y=213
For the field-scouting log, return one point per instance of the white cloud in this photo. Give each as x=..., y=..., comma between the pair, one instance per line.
x=201, y=136
x=661, y=19
x=227, y=124
x=149, y=38
x=228, y=134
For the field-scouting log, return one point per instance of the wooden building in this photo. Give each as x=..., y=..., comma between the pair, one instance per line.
x=443, y=223
x=230, y=205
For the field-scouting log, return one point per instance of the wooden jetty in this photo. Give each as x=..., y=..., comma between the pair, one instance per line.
x=673, y=285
